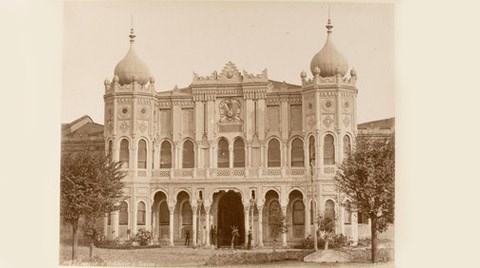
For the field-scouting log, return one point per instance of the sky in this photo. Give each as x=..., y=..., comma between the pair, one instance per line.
x=176, y=39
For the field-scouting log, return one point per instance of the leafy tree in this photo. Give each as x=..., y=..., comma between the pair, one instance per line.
x=91, y=184
x=327, y=226
x=278, y=225
x=367, y=176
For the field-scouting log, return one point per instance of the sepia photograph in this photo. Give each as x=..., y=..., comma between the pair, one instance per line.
x=227, y=133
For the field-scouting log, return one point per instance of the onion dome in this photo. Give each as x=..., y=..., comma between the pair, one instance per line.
x=131, y=67
x=329, y=59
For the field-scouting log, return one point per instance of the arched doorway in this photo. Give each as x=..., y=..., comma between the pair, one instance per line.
x=230, y=213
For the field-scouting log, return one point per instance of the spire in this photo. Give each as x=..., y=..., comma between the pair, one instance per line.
x=329, y=23
x=132, y=34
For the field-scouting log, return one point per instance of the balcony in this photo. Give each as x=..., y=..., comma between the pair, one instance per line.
x=212, y=173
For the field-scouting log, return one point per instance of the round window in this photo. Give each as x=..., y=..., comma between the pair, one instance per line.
x=346, y=104
x=310, y=106
x=143, y=111
x=124, y=110
x=328, y=104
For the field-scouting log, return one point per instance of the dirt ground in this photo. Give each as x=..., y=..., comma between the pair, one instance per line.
x=177, y=256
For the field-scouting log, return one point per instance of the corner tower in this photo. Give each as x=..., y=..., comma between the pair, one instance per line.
x=329, y=108
x=130, y=118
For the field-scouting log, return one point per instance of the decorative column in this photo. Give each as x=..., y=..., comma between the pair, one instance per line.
x=354, y=225
x=207, y=227
x=115, y=223
x=230, y=155
x=148, y=217
x=260, y=226
x=171, y=210
x=307, y=216
x=341, y=219
x=246, y=210
x=133, y=218
x=284, y=235
x=155, y=227
x=194, y=226
x=105, y=225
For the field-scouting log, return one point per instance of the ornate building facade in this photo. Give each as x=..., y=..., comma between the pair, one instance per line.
x=231, y=149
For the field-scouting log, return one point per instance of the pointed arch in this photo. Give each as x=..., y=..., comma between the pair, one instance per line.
x=274, y=153
x=141, y=214
x=223, y=153
x=297, y=156
x=188, y=155
x=347, y=146
x=238, y=153
x=125, y=153
x=166, y=154
x=328, y=150
x=142, y=154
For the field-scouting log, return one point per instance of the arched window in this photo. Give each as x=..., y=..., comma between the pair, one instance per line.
x=164, y=214
x=188, y=155
x=141, y=213
x=153, y=154
x=186, y=213
x=223, y=160
x=311, y=150
x=123, y=214
x=142, y=154
x=330, y=209
x=124, y=152
x=346, y=146
x=166, y=155
x=109, y=218
x=348, y=212
x=328, y=150
x=297, y=156
x=274, y=153
x=273, y=211
x=298, y=213
x=239, y=153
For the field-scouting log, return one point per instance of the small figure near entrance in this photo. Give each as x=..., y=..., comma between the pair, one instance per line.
x=187, y=237
x=235, y=234
x=249, y=245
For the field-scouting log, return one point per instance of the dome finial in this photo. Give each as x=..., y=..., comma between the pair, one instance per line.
x=329, y=23
x=132, y=34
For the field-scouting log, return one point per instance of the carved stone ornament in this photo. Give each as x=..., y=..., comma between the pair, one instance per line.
x=230, y=111
x=311, y=121
x=124, y=126
x=327, y=121
x=110, y=126
x=142, y=127
x=346, y=120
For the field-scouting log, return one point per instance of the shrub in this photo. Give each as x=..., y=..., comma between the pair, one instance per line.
x=143, y=237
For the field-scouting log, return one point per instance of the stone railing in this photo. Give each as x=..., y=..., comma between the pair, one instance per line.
x=252, y=172
x=330, y=169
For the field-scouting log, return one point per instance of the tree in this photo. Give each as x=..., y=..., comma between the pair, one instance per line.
x=327, y=226
x=367, y=176
x=91, y=185
x=278, y=225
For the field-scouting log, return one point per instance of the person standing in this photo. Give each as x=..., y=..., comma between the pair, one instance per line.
x=187, y=237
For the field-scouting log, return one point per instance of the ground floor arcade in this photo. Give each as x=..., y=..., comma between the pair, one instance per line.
x=208, y=215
